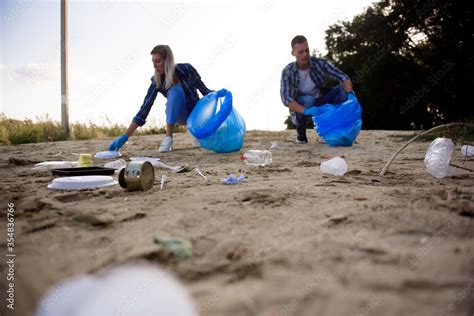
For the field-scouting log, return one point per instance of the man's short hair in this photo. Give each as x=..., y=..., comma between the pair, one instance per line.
x=298, y=39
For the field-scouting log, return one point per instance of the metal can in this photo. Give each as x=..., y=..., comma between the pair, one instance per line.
x=137, y=176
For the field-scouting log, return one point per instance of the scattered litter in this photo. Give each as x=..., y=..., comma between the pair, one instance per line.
x=137, y=176
x=85, y=160
x=132, y=289
x=163, y=178
x=438, y=156
x=201, y=174
x=257, y=157
x=467, y=150
x=274, y=145
x=116, y=164
x=175, y=169
x=233, y=179
x=58, y=154
x=50, y=165
x=83, y=171
x=107, y=154
x=151, y=160
x=360, y=198
x=82, y=182
x=335, y=166
x=179, y=247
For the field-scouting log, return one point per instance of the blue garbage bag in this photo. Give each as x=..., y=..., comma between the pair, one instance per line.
x=216, y=124
x=339, y=124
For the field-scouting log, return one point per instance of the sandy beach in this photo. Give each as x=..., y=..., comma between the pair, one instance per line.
x=288, y=240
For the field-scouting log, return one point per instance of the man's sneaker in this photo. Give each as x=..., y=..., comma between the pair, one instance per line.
x=166, y=145
x=304, y=141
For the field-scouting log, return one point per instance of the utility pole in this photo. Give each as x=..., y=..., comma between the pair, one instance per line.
x=64, y=72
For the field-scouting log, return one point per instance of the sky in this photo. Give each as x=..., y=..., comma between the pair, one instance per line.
x=241, y=46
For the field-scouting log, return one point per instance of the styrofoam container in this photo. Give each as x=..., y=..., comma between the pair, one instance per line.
x=82, y=182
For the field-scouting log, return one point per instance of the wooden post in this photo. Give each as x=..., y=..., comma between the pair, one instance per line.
x=64, y=72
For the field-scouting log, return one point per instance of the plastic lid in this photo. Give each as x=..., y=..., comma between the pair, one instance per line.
x=49, y=165
x=107, y=154
x=209, y=113
x=82, y=182
x=151, y=160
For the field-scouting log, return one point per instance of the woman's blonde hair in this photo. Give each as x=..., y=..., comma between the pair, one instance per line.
x=165, y=52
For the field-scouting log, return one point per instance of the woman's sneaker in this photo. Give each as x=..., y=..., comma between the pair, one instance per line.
x=166, y=145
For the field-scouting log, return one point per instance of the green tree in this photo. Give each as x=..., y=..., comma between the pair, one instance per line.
x=410, y=61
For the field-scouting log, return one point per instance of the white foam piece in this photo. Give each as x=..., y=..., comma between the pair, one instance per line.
x=126, y=290
x=82, y=182
x=107, y=154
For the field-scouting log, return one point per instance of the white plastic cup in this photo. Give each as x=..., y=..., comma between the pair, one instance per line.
x=85, y=160
x=467, y=150
x=335, y=166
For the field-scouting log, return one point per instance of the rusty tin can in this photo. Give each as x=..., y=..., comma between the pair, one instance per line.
x=137, y=176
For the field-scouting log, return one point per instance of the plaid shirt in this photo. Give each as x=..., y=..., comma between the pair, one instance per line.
x=190, y=81
x=318, y=68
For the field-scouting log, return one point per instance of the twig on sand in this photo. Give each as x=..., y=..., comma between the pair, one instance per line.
x=413, y=139
x=460, y=167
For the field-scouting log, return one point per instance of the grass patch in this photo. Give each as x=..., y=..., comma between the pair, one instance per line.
x=14, y=132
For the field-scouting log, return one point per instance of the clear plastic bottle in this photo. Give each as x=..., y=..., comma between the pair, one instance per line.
x=335, y=166
x=438, y=156
x=257, y=157
x=117, y=164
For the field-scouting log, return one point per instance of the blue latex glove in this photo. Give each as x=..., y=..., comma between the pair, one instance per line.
x=314, y=111
x=116, y=144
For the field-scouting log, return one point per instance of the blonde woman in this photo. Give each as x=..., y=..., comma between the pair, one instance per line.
x=178, y=83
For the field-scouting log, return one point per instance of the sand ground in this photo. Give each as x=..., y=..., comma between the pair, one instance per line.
x=288, y=240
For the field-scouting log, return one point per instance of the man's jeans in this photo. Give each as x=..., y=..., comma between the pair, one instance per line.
x=334, y=95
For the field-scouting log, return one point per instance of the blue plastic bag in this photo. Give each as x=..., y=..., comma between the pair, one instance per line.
x=339, y=124
x=216, y=124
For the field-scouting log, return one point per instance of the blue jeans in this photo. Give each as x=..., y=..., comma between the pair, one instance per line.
x=334, y=95
x=177, y=109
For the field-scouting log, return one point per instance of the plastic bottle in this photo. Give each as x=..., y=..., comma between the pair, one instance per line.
x=438, y=156
x=467, y=150
x=335, y=166
x=257, y=157
x=117, y=164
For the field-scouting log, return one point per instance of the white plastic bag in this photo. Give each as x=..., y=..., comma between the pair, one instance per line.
x=438, y=156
